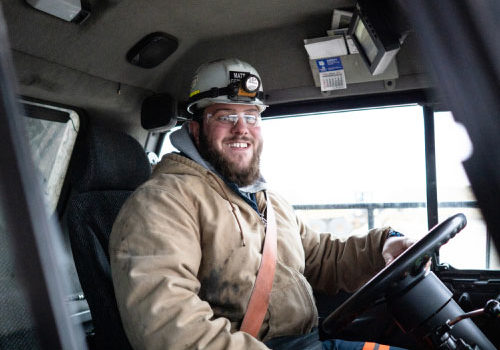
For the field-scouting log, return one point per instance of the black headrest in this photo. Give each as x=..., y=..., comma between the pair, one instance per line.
x=159, y=113
x=108, y=160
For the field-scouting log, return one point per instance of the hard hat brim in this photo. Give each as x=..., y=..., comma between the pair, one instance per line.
x=211, y=101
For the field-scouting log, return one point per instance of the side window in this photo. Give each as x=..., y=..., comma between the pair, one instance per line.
x=455, y=194
x=52, y=133
x=167, y=146
x=347, y=172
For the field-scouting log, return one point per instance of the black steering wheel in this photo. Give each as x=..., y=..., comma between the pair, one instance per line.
x=409, y=263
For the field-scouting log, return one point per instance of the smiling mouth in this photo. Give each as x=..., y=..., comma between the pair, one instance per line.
x=238, y=145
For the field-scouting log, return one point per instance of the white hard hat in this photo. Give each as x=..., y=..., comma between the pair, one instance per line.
x=226, y=81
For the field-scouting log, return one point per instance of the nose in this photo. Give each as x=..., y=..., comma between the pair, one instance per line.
x=240, y=127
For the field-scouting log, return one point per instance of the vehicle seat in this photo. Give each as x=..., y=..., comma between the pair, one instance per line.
x=106, y=168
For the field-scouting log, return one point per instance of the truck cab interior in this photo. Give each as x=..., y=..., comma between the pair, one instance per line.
x=379, y=114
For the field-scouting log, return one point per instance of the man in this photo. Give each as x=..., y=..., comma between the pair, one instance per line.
x=187, y=246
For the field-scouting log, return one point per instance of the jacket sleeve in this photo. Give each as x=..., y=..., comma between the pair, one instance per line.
x=155, y=256
x=332, y=263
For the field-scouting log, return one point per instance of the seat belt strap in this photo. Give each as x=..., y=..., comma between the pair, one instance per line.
x=259, y=300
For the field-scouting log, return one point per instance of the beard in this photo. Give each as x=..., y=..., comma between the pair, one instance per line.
x=230, y=171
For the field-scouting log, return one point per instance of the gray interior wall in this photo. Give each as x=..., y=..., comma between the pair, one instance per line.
x=106, y=103
x=99, y=45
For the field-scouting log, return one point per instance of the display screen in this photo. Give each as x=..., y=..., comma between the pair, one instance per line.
x=365, y=40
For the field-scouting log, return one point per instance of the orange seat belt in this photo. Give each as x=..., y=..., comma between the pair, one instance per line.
x=259, y=300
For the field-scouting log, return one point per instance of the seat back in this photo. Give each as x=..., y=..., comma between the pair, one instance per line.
x=106, y=168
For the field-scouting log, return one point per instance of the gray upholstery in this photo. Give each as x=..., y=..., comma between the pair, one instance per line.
x=106, y=168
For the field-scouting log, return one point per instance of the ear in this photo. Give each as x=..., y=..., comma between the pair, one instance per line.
x=194, y=130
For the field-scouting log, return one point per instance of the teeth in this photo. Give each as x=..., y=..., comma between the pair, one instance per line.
x=238, y=145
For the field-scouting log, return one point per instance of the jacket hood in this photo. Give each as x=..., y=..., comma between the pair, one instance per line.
x=181, y=140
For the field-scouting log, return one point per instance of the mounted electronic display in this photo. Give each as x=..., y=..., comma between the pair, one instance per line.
x=377, y=39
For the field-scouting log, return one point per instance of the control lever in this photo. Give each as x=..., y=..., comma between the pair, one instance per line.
x=445, y=340
x=491, y=309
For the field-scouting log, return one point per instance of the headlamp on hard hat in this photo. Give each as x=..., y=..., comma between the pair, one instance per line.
x=247, y=87
x=250, y=83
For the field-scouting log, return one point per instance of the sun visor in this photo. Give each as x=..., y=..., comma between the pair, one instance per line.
x=159, y=113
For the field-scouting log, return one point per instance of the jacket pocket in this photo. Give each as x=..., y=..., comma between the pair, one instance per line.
x=291, y=308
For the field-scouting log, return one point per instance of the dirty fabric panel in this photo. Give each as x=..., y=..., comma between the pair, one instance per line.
x=51, y=145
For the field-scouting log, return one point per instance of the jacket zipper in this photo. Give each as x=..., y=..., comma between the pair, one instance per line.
x=263, y=219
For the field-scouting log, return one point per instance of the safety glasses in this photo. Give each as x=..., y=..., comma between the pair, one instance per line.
x=230, y=118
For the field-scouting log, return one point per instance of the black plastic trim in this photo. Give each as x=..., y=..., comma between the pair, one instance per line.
x=38, y=112
x=430, y=167
x=351, y=102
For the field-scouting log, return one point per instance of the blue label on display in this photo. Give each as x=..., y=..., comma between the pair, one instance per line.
x=329, y=64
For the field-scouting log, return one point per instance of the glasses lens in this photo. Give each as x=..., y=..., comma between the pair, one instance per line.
x=230, y=118
x=226, y=118
x=250, y=119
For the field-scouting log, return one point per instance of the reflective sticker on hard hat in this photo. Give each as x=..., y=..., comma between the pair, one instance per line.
x=194, y=82
x=194, y=93
x=235, y=77
x=331, y=73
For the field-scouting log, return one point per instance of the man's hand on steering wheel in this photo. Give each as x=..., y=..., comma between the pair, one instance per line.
x=394, y=246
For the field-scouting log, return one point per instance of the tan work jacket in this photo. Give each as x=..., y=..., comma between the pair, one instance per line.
x=185, y=250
